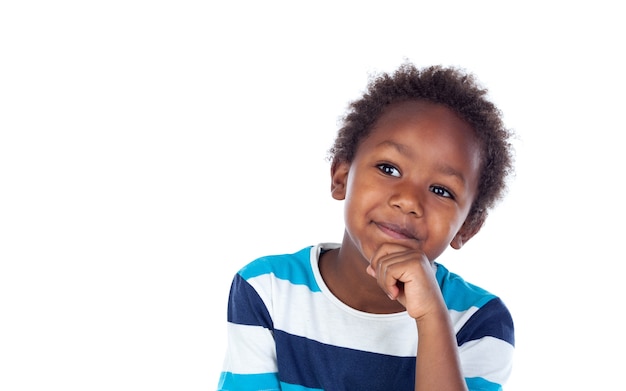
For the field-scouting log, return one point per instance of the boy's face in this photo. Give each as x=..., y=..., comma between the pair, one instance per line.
x=412, y=181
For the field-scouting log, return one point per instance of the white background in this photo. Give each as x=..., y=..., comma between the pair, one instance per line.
x=149, y=149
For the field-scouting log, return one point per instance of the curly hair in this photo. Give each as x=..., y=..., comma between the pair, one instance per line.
x=453, y=88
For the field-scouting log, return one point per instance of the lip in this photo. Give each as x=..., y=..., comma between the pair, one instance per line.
x=396, y=231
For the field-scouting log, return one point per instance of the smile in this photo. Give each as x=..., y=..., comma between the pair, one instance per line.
x=396, y=231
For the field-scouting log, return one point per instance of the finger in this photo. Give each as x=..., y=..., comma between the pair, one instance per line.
x=386, y=249
x=390, y=277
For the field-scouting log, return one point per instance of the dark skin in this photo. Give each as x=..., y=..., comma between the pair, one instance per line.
x=407, y=194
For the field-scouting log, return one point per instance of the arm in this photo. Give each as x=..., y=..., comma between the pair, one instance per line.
x=250, y=362
x=407, y=276
x=437, y=366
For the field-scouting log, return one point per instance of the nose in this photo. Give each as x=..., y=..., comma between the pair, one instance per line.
x=407, y=200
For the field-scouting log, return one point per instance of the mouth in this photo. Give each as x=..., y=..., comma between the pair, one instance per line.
x=397, y=231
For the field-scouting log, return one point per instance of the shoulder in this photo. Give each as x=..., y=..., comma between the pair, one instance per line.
x=294, y=268
x=275, y=264
x=459, y=294
x=478, y=312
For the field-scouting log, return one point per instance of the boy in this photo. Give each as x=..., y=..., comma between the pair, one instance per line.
x=419, y=161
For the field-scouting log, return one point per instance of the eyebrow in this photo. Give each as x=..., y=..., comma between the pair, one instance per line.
x=403, y=149
x=406, y=151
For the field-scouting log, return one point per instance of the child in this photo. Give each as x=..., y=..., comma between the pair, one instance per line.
x=419, y=161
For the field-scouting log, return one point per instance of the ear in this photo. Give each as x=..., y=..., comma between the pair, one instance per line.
x=467, y=231
x=339, y=179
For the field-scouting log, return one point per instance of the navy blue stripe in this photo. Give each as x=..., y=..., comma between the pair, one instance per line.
x=245, y=306
x=316, y=365
x=492, y=320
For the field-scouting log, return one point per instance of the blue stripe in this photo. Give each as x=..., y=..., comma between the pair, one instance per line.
x=245, y=306
x=294, y=387
x=458, y=294
x=315, y=365
x=480, y=384
x=295, y=268
x=491, y=320
x=263, y=381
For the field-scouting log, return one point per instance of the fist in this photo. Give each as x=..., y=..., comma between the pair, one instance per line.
x=408, y=276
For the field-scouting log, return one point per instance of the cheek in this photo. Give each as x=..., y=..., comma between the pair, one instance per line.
x=359, y=211
x=451, y=229
x=357, y=219
x=354, y=217
x=441, y=233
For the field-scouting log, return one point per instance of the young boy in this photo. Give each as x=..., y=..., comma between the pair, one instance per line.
x=419, y=161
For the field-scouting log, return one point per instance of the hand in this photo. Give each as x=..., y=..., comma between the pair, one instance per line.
x=406, y=275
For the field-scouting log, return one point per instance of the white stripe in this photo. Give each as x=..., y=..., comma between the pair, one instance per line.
x=331, y=322
x=251, y=350
x=322, y=317
x=484, y=358
x=459, y=318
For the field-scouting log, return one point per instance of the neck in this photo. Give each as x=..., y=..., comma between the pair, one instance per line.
x=343, y=271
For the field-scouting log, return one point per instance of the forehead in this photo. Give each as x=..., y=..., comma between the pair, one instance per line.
x=421, y=129
x=419, y=111
x=424, y=118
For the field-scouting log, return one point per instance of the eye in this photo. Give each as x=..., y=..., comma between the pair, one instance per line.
x=441, y=191
x=388, y=169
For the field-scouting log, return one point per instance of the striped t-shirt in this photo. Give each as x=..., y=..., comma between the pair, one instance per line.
x=286, y=331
